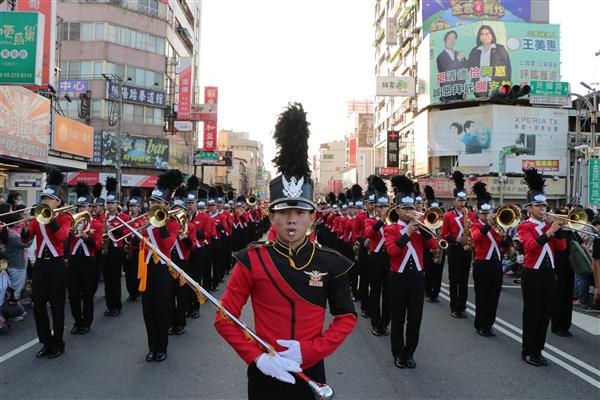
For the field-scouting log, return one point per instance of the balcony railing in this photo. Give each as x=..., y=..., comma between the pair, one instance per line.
x=151, y=8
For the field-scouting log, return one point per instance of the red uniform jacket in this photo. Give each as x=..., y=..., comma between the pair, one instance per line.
x=45, y=237
x=318, y=216
x=536, y=244
x=272, y=234
x=359, y=225
x=245, y=218
x=113, y=222
x=183, y=247
x=330, y=221
x=349, y=235
x=487, y=243
x=164, y=242
x=289, y=303
x=402, y=248
x=201, y=222
x=137, y=224
x=376, y=237
x=338, y=226
x=221, y=218
x=90, y=245
x=452, y=230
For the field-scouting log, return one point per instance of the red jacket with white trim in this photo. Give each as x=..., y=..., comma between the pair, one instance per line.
x=51, y=239
x=375, y=236
x=536, y=244
x=402, y=247
x=454, y=225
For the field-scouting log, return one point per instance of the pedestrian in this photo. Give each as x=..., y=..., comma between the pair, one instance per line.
x=455, y=231
x=82, y=274
x=156, y=282
x=488, y=242
x=405, y=242
x=290, y=281
x=541, y=239
x=596, y=265
x=49, y=270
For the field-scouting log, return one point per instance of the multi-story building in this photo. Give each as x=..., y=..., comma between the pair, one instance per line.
x=330, y=164
x=359, y=143
x=454, y=118
x=129, y=50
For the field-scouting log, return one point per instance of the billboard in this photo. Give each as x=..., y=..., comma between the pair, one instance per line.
x=73, y=137
x=21, y=47
x=72, y=88
x=365, y=130
x=180, y=157
x=393, y=141
x=477, y=134
x=136, y=95
x=468, y=62
x=443, y=14
x=403, y=86
x=184, y=102
x=48, y=51
x=24, y=124
x=211, y=96
x=137, y=151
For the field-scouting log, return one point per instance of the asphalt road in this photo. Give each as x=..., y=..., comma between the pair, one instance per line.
x=452, y=361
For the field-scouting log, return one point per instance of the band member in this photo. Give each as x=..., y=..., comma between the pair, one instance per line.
x=434, y=259
x=456, y=231
x=363, y=256
x=132, y=245
x=82, y=273
x=290, y=282
x=180, y=254
x=540, y=240
x=209, y=230
x=405, y=241
x=218, y=248
x=99, y=214
x=114, y=257
x=157, y=284
x=379, y=261
x=349, y=241
x=488, y=242
x=49, y=270
x=197, y=255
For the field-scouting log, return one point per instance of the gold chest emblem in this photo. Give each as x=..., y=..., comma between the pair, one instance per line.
x=316, y=278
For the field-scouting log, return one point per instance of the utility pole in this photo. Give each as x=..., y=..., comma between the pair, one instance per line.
x=119, y=123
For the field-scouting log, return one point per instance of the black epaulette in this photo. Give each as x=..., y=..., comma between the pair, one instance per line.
x=329, y=250
x=242, y=257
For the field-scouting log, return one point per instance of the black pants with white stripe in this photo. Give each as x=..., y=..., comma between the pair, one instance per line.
x=459, y=265
x=379, y=301
x=539, y=288
x=487, y=275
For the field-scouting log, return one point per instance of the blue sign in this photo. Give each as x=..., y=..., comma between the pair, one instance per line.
x=72, y=88
x=136, y=95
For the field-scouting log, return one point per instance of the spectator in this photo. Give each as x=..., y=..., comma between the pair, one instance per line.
x=596, y=267
x=16, y=252
x=2, y=199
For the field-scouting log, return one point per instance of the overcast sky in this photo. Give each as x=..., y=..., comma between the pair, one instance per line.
x=263, y=54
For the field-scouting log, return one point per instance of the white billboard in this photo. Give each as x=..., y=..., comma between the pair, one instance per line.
x=477, y=134
x=403, y=86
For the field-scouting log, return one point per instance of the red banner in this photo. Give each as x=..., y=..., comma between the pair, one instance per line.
x=542, y=165
x=352, y=151
x=211, y=96
x=184, y=103
x=48, y=9
x=91, y=178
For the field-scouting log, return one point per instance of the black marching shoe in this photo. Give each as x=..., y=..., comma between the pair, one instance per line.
x=384, y=332
x=180, y=330
x=491, y=332
x=43, y=352
x=531, y=360
x=115, y=313
x=107, y=313
x=55, y=351
x=364, y=313
x=562, y=332
x=170, y=331
x=151, y=356
x=399, y=362
x=462, y=314
x=410, y=362
x=75, y=330
x=483, y=332
x=455, y=314
x=195, y=314
x=434, y=300
x=160, y=356
x=83, y=330
x=429, y=299
x=376, y=332
x=542, y=360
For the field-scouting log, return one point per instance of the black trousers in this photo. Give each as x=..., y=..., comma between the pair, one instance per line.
x=407, y=293
x=156, y=306
x=48, y=284
x=433, y=274
x=207, y=266
x=562, y=308
x=459, y=265
x=227, y=256
x=263, y=387
x=539, y=288
x=82, y=278
x=132, y=283
x=363, y=277
x=196, y=271
x=182, y=296
x=379, y=300
x=218, y=264
x=112, y=277
x=487, y=276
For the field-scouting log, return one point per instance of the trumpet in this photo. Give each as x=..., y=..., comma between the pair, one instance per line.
x=576, y=221
x=433, y=217
x=83, y=217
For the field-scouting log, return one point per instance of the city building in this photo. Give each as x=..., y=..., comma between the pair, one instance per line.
x=330, y=164
x=359, y=143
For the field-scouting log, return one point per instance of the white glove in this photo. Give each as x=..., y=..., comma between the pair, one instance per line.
x=277, y=367
x=293, y=352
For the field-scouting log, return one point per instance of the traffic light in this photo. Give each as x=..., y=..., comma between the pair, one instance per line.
x=510, y=93
x=221, y=158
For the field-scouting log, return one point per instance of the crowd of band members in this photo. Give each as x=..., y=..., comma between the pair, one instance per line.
x=358, y=229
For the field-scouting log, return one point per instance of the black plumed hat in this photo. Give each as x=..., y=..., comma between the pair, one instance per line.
x=97, y=193
x=459, y=185
x=417, y=193
x=350, y=198
x=135, y=197
x=403, y=186
x=484, y=198
x=342, y=200
x=166, y=185
x=84, y=197
x=380, y=189
x=213, y=193
x=111, y=190
x=293, y=188
x=192, y=187
x=331, y=199
x=180, y=197
x=54, y=181
x=357, y=195
x=430, y=197
x=536, y=183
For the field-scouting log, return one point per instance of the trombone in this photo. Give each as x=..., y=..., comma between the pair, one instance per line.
x=43, y=214
x=17, y=211
x=576, y=221
x=158, y=216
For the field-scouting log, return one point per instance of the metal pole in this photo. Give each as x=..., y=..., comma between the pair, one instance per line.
x=119, y=138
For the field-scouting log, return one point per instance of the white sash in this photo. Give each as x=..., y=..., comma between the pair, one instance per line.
x=460, y=226
x=81, y=243
x=153, y=241
x=493, y=246
x=545, y=249
x=46, y=242
x=411, y=251
x=178, y=248
x=381, y=242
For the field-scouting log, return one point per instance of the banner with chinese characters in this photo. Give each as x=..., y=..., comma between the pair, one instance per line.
x=136, y=151
x=594, y=181
x=24, y=124
x=21, y=47
x=136, y=95
x=469, y=62
x=392, y=148
x=542, y=165
x=73, y=137
x=72, y=88
x=184, y=102
x=211, y=96
x=443, y=14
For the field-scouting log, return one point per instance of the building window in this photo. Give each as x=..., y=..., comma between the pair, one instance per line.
x=151, y=42
x=140, y=77
x=111, y=34
x=97, y=109
x=128, y=112
x=87, y=31
x=158, y=116
x=74, y=30
x=98, y=69
x=85, y=69
x=141, y=41
x=99, y=26
x=74, y=69
x=138, y=114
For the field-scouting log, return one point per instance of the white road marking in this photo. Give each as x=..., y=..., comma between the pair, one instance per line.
x=548, y=355
x=586, y=322
x=18, y=350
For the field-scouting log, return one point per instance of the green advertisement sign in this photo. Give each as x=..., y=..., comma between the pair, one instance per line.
x=468, y=62
x=594, y=183
x=21, y=47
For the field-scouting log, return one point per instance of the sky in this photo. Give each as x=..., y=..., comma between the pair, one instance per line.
x=263, y=54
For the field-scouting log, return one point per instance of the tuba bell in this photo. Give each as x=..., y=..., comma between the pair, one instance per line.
x=391, y=215
x=82, y=222
x=251, y=200
x=507, y=217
